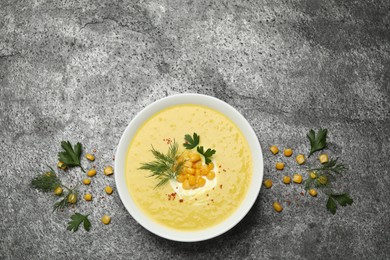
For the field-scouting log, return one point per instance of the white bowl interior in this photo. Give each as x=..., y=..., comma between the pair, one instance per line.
x=232, y=114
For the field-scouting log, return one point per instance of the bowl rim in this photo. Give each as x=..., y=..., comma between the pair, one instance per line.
x=236, y=118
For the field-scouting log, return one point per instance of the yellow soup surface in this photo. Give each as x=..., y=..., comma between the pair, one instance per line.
x=204, y=207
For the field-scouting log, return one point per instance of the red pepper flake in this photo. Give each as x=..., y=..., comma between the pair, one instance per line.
x=288, y=202
x=303, y=194
x=172, y=196
x=212, y=200
x=220, y=166
x=207, y=194
x=181, y=200
x=196, y=199
x=94, y=150
x=220, y=186
x=224, y=170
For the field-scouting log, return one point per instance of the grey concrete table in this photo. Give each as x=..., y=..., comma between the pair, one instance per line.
x=80, y=71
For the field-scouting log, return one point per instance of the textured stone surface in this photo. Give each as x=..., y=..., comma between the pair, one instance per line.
x=80, y=71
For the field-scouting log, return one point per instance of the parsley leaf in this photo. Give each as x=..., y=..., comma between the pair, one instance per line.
x=317, y=142
x=206, y=154
x=342, y=199
x=191, y=142
x=46, y=182
x=70, y=156
x=76, y=220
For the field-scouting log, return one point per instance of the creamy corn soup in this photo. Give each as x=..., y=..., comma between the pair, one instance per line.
x=200, y=195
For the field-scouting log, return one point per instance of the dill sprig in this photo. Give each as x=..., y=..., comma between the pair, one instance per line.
x=164, y=168
x=47, y=181
x=63, y=202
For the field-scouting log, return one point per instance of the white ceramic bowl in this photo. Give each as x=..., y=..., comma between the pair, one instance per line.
x=232, y=114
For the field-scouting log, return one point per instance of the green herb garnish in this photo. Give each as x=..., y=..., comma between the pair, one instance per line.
x=331, y=167
x=317, y=142
x=70, y=197
x=207, y=154
x=191, y=142
x=46, y=182
x=342, y=199
x=76, y=220
x=164, y=168
x=70, y=156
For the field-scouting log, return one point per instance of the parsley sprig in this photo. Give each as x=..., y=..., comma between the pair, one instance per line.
x=207, y=154
x=76, y=220
x=191, y=142
x=71, y=156
x=317, y=142
x=320, y=177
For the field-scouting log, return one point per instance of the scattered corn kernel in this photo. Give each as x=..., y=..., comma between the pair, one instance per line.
x=286, y=179
x=288, y=152
x=72, y=198
x=313, y=192
x=279, y=166
x=86, y=181
x=108, y=170
x=274, y=149
x=323, y=180
x=58, y=191
x=90, y=157
x=88, y=197
x=313, y=175
x=106, y=220
x=91, y=172
x=300, y=159
x=61, y=165
x=297, y=178
x=277, y=206
x=323, y=158
x=108, y=190
x=268, y=183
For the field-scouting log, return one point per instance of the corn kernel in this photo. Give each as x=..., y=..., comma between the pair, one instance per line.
x=313, y=175
x=186, y=185
x=181, y=178
x=87, y=181
x=201, y=182
x=197, y=165
x=106, y=220
x=192, y=180
x=267, y=183
x=286, y=179
x=300, y=159
x=297, y=178
x=190, y=171
x=279, y=166
x=108, y=190
x=288, y=152
x=211, y=175
x=91, y=172
x=323, y=158
x=313, y=192
x=211, y=166
x=204, y=170
x=188, y=164
x=274, y=149
x=277, y=206
x=61, y=165
x=195, y=157
x=88, y=197
x=108, y=170
x=197, y=172
x=90, y=157
x=58, y=191
x=323, y=180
